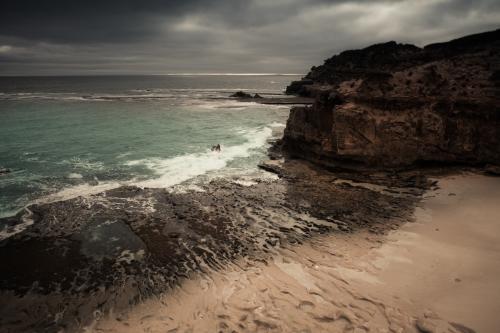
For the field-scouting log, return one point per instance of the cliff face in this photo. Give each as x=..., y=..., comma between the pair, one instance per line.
x=394, y=105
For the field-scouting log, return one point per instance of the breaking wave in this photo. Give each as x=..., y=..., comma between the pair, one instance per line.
x=175, y=170
x=171, y=171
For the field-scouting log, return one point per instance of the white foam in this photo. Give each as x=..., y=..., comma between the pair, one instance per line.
x=245, y=183
x=186, y=188
x=178, y=169
x=26, y=221
x=171, y=171
x=78, y=190
x=83, y=163
x=74, y=176
x=122, y=155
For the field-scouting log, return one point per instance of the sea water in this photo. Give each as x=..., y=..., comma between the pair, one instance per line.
x=67, y=136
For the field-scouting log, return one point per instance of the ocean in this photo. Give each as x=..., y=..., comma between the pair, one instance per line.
x=67, y=136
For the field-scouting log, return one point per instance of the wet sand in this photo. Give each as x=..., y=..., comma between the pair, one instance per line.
x=437, y=274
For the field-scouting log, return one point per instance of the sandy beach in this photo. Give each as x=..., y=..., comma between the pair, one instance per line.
x=436, y=274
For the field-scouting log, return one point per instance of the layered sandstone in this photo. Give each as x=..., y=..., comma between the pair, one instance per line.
x=396, y=105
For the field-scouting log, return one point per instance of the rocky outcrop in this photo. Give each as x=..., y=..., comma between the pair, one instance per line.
x=241, y=94
x=394, y=105
x=299, y=87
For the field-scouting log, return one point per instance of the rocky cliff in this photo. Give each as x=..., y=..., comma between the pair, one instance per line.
x=393, y=105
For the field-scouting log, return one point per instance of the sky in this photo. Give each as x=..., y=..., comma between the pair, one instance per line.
x=90, y=37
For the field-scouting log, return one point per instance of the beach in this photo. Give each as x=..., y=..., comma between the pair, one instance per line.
x=437, y=273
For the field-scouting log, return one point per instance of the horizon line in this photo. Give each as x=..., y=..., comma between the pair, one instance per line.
x=228, y=74
x=159, y=74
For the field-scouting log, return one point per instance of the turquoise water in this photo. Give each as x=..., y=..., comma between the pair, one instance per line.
x=68, y=136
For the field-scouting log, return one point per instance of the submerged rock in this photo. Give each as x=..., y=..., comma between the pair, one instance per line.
x=397, y=105
x=241, y=94
x=4, y=171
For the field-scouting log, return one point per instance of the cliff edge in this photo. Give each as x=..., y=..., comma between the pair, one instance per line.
x=396, y=105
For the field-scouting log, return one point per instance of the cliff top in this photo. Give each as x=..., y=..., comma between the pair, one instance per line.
x=392, y=56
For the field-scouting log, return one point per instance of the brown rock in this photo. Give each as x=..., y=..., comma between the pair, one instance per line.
x=396, y=105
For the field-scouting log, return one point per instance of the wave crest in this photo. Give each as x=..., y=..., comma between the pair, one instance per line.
x=178, y=169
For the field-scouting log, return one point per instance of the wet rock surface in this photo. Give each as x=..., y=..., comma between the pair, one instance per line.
x=84, y=257
x=397, y=105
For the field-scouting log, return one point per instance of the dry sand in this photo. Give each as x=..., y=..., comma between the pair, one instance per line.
x=438, y=274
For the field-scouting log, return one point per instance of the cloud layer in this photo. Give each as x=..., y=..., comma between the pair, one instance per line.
x=166, y=36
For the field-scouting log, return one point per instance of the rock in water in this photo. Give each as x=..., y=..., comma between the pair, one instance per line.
x=4, y=171
x=396, y=105
x=241, y=94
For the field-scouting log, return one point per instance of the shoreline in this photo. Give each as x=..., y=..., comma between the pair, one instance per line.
x=281, y=229
x=341, y=282
x=257, y=139
x=126, y=245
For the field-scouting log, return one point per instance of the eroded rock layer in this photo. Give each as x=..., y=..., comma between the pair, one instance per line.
x=396, y=105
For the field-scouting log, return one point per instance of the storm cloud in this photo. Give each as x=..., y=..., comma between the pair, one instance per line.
x=165, y=36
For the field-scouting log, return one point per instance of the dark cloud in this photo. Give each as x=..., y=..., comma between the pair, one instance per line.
x=158, y=36
x=88, y=21
x=112, y=21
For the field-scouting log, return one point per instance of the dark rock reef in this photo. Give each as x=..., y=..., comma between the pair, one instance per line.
x=82, y=258
x=241, y=94
x=397, y=105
